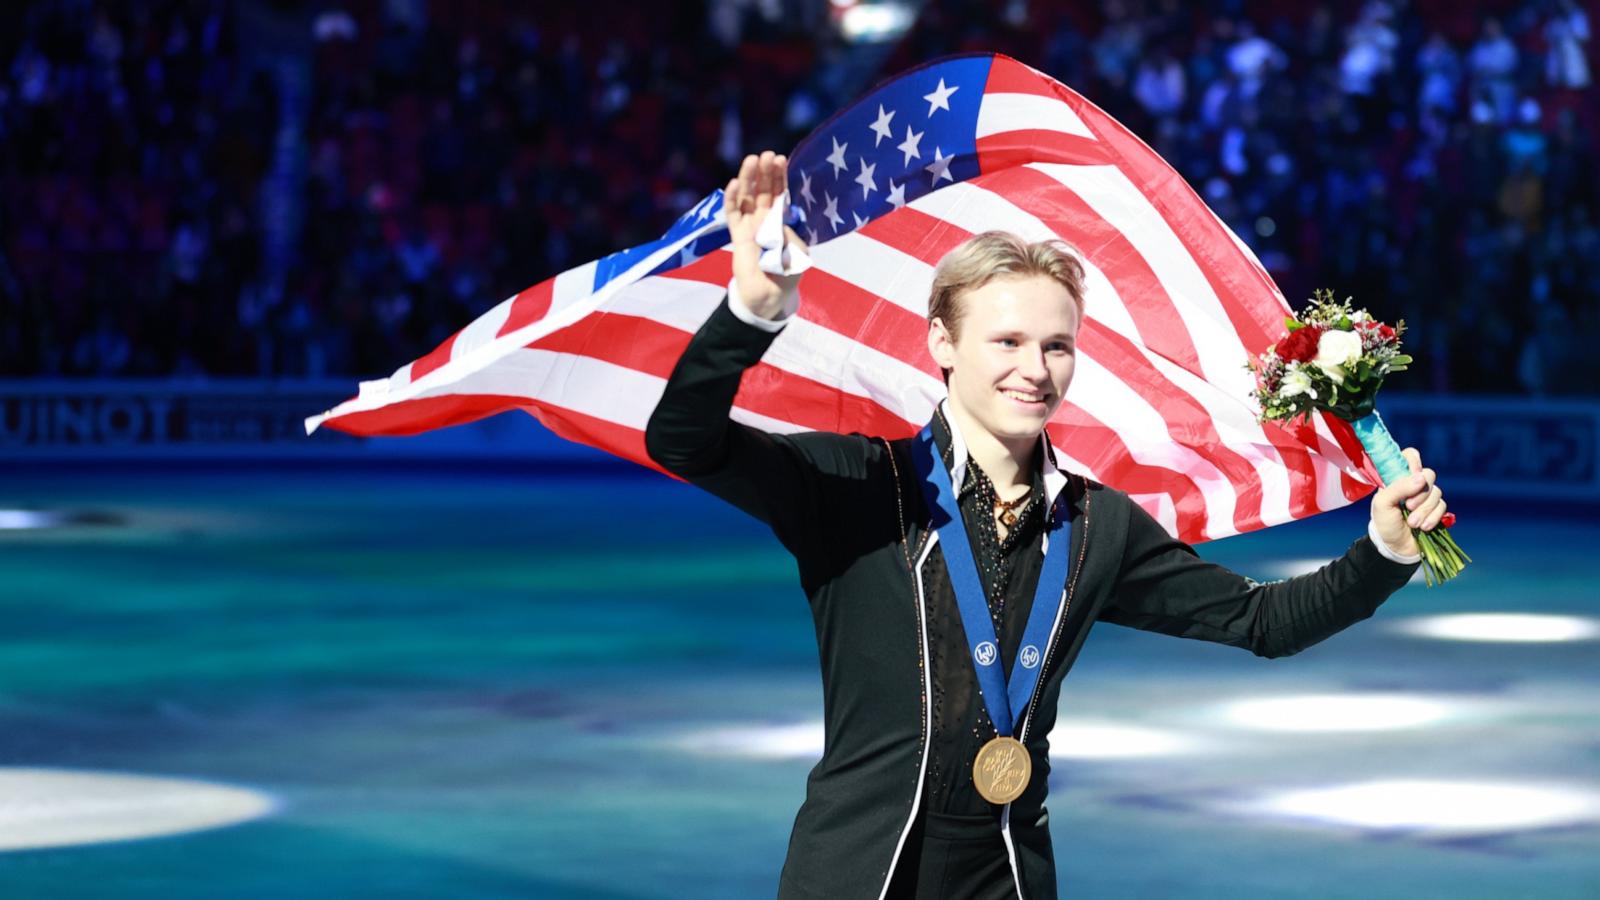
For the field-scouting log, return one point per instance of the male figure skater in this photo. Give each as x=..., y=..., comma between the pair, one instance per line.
x=954, y=576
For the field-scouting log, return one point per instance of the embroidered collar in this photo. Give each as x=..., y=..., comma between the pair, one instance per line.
x=1054, y=479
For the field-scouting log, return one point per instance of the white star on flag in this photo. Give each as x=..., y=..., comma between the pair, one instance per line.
x=868, y=185
x=831, y=212
x=897, y=194
x=881, y=127
x=805, y=190
x=837, y=157
x=909, y=146
x=940, y=167
x=859, y=221
x=940, y=98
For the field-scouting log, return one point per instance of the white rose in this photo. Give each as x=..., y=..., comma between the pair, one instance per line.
x=1335, y=350
x=1295, y=382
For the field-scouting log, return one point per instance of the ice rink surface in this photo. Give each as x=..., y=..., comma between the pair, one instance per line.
x=442, y=681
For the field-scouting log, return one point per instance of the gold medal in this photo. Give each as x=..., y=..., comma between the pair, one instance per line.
x=1002, y=770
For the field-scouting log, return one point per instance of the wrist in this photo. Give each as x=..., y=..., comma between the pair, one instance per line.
x=766, y=304
x=1389, y=552
x=782, y=310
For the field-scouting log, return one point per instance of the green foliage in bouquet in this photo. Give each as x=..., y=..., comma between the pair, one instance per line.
x=1333, y=358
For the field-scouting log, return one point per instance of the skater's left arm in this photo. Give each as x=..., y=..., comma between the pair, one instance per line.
x=1164, y=586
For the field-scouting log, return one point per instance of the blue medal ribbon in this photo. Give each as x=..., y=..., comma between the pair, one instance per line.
x=1005, y=698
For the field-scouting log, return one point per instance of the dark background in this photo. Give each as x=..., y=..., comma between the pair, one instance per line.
x=282, y=189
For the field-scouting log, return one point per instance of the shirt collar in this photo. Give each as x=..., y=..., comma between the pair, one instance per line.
x=1054, y=478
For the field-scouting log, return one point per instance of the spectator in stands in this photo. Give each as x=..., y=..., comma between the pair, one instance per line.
x=1493, y=63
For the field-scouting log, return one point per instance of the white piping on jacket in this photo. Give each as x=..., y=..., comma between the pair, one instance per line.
x=927, y=715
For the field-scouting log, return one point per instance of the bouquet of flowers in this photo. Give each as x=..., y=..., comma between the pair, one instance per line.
x=1335, y=359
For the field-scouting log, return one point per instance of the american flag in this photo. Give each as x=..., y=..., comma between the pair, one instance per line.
x=1175, y=306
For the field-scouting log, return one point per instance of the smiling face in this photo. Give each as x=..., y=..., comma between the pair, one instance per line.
x=1012, y=356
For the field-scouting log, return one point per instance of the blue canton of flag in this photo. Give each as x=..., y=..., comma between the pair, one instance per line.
x=908, y=138
x=701, y=214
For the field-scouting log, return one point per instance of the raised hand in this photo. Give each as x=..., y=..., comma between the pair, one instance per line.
x=746, y=201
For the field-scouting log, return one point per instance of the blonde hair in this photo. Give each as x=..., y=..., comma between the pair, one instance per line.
x=999, y=254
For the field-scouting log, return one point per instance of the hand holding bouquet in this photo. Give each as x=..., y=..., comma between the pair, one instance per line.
x=1335, y=359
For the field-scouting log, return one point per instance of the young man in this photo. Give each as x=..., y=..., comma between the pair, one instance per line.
x=954, y=576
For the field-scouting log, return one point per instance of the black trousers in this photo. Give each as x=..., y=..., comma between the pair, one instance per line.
x=953, y=857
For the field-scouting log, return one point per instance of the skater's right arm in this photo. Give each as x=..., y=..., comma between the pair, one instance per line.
x=784, y=480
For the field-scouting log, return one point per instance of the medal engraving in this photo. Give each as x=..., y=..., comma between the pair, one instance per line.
x=1002, y=770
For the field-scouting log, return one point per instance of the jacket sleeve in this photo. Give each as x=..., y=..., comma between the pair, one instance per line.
x=783, y=480
x=1164, y=586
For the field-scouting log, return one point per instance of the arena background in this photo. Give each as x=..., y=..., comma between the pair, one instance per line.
x=239, y=662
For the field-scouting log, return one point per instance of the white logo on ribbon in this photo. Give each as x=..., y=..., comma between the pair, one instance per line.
x=1030, y=656
x=984, y=653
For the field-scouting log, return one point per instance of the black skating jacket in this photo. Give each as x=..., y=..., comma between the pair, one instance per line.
x=832, y=499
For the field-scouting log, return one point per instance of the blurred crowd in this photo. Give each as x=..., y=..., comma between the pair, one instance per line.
x=1435, y=160
x=132, y=147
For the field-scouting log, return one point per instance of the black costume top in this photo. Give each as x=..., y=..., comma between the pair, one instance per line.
x=849, y=509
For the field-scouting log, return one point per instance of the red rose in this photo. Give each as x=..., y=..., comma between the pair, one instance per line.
x=1384, y=331
x=1301, y=344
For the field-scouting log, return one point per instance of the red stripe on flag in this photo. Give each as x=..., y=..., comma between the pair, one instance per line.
x=915, y=233
x=1090, y=441
x=529, y=306
x=1032, y=145
x=1007, y=76
x=778, y=394
x=435, y=358
x=645, y=345
x=713, y=268
x=846, y=308
x=583, y=428
x=421, y=414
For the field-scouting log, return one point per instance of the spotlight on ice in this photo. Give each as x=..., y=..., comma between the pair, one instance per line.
x=1503, y=627
x=1112, y=740
x=1336, y=712
x=1069, y=740
x=25, y=519
x=801, y=741
x=1436, y=808
x=62, y=808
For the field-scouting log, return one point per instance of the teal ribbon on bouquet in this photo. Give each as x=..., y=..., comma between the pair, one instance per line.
x=1442, y=558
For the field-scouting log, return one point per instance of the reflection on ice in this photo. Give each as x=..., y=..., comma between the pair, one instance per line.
x=1435, y=808
x=1507, y=627
x=59, y=808
x=1071, y=739
x=1337, y=712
